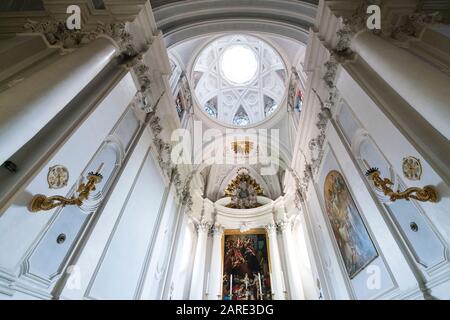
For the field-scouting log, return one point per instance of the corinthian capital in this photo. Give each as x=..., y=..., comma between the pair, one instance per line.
x=413, y=25
x=203, y=226
x=285, y=225
x=271, y=228
x=218, y=229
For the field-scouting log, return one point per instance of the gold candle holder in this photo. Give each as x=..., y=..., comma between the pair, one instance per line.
x=41, y=202
x=427, y=193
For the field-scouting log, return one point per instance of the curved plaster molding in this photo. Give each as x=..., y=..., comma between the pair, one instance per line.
x=249, y=218
x=235, y=26
x=186, y=19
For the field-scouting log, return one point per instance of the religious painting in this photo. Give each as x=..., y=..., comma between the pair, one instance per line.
x=298, y=101
x=179, y=104
x=246, y=273
x=354, y=242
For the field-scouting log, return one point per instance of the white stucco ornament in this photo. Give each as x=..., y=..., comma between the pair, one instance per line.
x=244, y=228
x=57, y=177
x=412, y=168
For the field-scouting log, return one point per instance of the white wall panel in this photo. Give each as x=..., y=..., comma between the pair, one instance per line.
x=19, y=229
x=158, y=258
x=121, y=265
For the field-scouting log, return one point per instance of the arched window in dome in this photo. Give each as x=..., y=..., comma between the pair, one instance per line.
x=298, y=101
x=211, y=107
x=241, y=117
x=175, y=75
x=179, y=104
x=269, y=105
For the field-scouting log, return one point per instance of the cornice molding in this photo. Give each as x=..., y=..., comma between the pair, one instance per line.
x=183, y=20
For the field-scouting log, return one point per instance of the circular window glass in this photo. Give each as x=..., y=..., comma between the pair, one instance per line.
x=239, y=64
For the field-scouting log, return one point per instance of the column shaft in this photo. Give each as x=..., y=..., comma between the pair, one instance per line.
x=275, y=263
x=198, y=272
x=215, y=274
x=27, y=107
x=424, y=87
x=295, y=282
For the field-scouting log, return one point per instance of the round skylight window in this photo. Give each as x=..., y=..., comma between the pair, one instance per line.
x=239, y=64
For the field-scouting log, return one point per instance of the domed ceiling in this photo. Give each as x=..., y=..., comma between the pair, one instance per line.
x=239, y=80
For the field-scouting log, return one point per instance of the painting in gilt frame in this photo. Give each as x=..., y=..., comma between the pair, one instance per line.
x=354, y=242
x=246, y=264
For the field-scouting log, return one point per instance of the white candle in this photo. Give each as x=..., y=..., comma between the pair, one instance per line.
x=282, y=281
x=271, y=283
x=260, y=286
x=207, y=284
x=100, y=167
x=231, y=286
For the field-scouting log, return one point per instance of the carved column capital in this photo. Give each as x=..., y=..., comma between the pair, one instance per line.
x=218, y=230
x=57, y=34
x=285, y=225
x=412, y=26
x=203, y=227
x=271, y=228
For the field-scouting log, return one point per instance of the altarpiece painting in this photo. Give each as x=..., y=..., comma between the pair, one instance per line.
x=246, y=273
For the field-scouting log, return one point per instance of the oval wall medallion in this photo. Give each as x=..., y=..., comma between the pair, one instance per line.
x=412, y=168
x=57, y=177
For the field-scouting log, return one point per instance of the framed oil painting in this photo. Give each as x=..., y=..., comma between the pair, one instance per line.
x=354, y=242
x=246, y=274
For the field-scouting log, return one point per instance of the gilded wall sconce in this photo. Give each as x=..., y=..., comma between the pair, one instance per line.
x=41, y=202
x=427, y=193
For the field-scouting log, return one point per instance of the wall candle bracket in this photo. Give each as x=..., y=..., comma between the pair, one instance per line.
x=427, y=193
x=41, y=202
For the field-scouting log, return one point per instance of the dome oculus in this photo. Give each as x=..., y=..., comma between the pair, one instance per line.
x=239, y=64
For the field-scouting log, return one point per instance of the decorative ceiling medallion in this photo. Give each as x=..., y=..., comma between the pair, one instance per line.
x=57, y=177
x=412, y=168
x=242, y=147
x=243, y=191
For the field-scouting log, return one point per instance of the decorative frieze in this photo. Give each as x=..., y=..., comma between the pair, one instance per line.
x=57, y=34
x=412, y=26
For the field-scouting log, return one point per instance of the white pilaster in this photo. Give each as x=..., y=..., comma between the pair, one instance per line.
x=198, y=272
x=215, y=274
x=275, y=263
x=295, y=282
